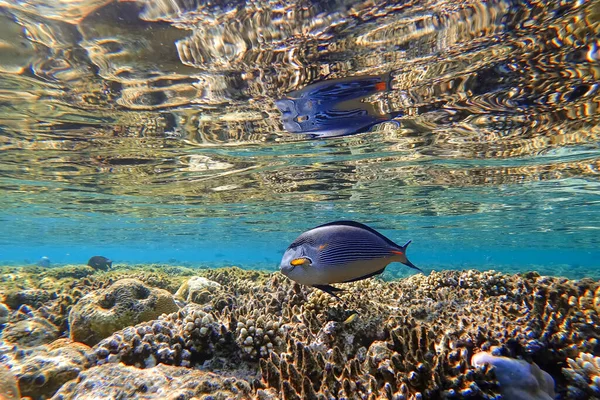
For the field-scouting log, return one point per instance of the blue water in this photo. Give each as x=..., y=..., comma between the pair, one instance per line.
x=553, y=234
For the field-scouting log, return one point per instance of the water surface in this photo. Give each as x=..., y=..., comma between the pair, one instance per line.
x=147, y=131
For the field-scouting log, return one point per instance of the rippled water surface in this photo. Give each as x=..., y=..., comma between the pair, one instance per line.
x=148, y=130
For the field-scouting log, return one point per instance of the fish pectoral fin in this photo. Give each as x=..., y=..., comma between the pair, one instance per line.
x=329, y=290
x=366, y=276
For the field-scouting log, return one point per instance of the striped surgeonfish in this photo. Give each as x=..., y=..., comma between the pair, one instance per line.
x=342, y=251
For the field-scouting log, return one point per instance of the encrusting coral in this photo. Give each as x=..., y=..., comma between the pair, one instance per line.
x=8, y=385
x=408, y=339
x=42, y=370
x=29, y=332
x=160, y=382
x=4, y=313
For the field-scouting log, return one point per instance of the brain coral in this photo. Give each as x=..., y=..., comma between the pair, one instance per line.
x=124, y=303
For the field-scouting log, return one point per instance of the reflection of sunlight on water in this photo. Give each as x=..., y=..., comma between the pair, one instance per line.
x=167, y=109
x=204, y=163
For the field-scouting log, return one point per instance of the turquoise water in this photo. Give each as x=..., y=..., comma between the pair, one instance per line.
x=148, y=134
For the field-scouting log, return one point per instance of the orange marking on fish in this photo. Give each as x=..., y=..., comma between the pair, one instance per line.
x=380, y=86
x=298, y=261
x=321, y=247
x=398, y=252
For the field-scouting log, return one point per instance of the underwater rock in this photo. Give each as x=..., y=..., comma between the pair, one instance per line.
x=8, y=385
x=519, y=380
x=42, y=370
x=583, y=376
x=197, y=289
x=124, y=303
x=160, y=382
x=30, y=332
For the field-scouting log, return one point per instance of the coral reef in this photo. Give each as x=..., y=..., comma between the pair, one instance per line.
x=197, y=289
x=42, y=370
x=4, y=313
x=8, y=385
x=51, y=293
x=518, y=379
x=117, y=381
x=29, y=332
x=124, y=303
x=583, y=375
x=412, y=338
x=181, y=338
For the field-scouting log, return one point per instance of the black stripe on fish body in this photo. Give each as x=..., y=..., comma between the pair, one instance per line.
x=303, y=239
x=357, y=236
x=343, y=251
x=347, y=261
x=350, y=252
x=365, y=246
x=355, y=224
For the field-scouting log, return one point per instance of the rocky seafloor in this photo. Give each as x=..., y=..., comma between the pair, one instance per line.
x=163, y=332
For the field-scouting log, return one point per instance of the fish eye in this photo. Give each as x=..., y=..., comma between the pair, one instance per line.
x=301, y=118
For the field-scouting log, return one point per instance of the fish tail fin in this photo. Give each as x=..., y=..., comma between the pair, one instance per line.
x=387, y=80
x=403, y=253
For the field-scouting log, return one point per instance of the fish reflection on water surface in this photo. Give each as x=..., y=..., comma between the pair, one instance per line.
x=335, y=107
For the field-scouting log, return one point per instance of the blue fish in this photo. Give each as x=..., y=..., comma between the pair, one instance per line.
x=334, y=107
x=341, y=251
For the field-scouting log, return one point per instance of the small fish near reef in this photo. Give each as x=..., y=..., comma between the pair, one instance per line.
x=335, y=107
x=342, y=251
x=100, y=262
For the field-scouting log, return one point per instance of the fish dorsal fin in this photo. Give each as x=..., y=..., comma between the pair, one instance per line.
x=355, y=224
